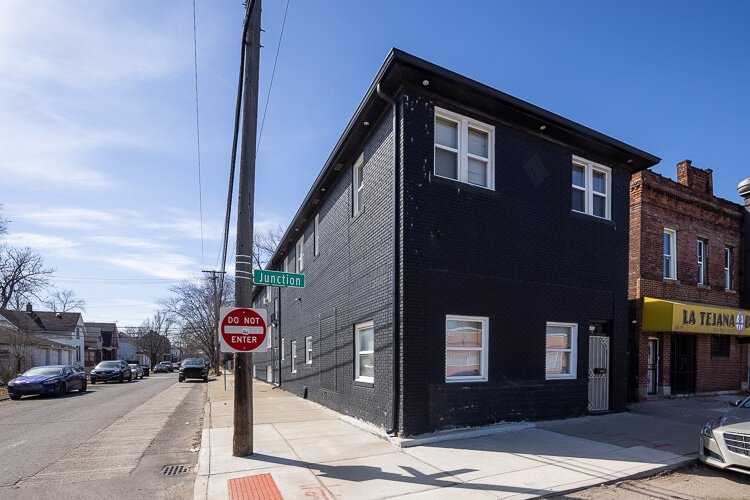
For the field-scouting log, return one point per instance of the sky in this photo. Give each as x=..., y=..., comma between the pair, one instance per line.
x=98, y=143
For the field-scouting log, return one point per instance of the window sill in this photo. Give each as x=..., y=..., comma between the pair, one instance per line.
x=704, y=287
x=465, y=380
x=730, y=290
x=456, y=184
x=671, y=281
x=589, y=217
x=561, y=377
x=364, y=383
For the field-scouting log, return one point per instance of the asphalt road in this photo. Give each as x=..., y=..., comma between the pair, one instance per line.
x=56, y=445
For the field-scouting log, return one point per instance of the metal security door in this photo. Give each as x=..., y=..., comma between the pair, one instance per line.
x=653, y=365
x=598, y=373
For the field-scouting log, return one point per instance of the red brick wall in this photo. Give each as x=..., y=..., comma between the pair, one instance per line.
x=690, y=208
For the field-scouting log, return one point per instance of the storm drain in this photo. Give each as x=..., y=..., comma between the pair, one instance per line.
x=174, y=470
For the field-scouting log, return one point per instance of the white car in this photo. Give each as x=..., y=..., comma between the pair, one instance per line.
x=725, y=441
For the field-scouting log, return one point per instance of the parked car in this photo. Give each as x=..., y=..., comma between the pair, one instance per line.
x=163, y=367
x=137, y=370
x=110, y=371
x=725, y=440
x=53, y=379
x=193, y=368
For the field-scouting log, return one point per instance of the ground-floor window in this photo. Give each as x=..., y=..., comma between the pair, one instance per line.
x=466, y=348
x=561, y=348
x=283, y=348
x=364, y=350
x=294, y=356
x=308, y=350
x=720, y=346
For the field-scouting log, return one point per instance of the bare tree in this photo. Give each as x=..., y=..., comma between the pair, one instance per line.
x=195, y=306
x=3, y=224
x=21, y=351
x=265, y=242
x=22, y=274
x=65, y=300
x=154, y=335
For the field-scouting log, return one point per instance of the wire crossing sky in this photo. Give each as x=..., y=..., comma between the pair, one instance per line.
x=98, y=109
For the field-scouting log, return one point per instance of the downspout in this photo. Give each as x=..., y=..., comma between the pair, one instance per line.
x=395, y=280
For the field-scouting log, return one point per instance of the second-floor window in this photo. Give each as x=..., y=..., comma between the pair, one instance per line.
x=728, y=268
x=464, y=149
x=358, y=186
x=701, y=249
x=591, y=187
x=316, y=236
x=670, y=254
x=300, y=253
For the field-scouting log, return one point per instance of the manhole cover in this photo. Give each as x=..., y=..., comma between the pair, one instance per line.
x=173, y=470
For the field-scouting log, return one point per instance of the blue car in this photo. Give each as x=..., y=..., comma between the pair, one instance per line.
x=54, y=379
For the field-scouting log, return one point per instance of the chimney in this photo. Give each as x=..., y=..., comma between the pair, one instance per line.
x=29, y=310
x=697, y=179
x=744, y=190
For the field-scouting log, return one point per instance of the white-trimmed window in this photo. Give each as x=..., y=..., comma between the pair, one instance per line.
x=592, y=185
x=308, y=350
x=299, y=252
x=364, y=350
x=701, y=258
x=466, y=348
x=728, y=268
x=562, y=341
x=464, y=149
x=316, y=236
x=670, y=254
x=267, y=295
x=283, y=349
x=294, y=356
x=285, y=265
x=358, y=186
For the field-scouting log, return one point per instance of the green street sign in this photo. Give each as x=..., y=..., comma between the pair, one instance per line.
x=275, y=278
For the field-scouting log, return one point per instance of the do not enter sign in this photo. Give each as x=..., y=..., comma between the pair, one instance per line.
x=242, y=329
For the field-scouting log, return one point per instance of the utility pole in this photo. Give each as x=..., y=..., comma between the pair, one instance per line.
x=243, y=382
x=217, y=300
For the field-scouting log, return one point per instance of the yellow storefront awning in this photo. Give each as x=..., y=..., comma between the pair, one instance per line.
x=684, y=317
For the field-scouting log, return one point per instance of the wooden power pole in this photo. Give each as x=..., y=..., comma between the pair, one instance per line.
x=243, y=382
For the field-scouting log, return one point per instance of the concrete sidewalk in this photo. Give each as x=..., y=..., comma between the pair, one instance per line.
x=311, y=451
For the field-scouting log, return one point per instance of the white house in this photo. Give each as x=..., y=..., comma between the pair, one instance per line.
x=130, y=351
x=61, y=328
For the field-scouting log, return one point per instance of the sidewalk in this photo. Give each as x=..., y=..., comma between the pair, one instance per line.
x=314, y=452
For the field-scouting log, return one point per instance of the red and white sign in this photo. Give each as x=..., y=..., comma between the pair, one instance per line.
x=243, y=329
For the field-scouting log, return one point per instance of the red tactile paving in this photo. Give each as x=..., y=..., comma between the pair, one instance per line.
x=258, y=487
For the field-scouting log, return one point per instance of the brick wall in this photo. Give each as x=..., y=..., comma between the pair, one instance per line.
x=349, y=282
x=517, y=255
x=689, y=207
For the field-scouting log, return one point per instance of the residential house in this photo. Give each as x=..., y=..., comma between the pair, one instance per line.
x=102, y=343
x=60, y=327
x=130, y=350
x=20, y=351
x=466, y=261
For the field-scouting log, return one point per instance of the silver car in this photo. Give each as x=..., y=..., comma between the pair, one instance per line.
x=137, y=371
x=725, y=441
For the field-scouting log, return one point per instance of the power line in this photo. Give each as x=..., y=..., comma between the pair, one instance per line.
x=198, y=128
x=273, y=73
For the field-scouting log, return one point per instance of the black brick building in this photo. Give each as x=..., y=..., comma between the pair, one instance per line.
x=487, y=242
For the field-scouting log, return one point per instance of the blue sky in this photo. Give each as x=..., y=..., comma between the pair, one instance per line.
x=98, y=163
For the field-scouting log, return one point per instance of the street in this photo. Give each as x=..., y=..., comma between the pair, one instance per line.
x=111, y=441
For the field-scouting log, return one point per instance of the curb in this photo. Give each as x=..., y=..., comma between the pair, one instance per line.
x=681, y=464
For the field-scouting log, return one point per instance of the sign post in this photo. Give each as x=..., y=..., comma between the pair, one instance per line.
x=243, y=329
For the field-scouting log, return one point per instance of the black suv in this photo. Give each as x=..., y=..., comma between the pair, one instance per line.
x=110, y=371
x=193, y=368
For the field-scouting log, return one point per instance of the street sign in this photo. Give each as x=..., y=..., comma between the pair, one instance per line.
x=275, y=278
x=242, y=329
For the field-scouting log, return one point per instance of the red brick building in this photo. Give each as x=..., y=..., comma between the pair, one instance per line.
x=687, y=332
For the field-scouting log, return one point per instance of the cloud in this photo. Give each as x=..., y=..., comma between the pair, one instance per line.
x=161, y=265
x=127, y=242
x=68, y=217
x=37, y=241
